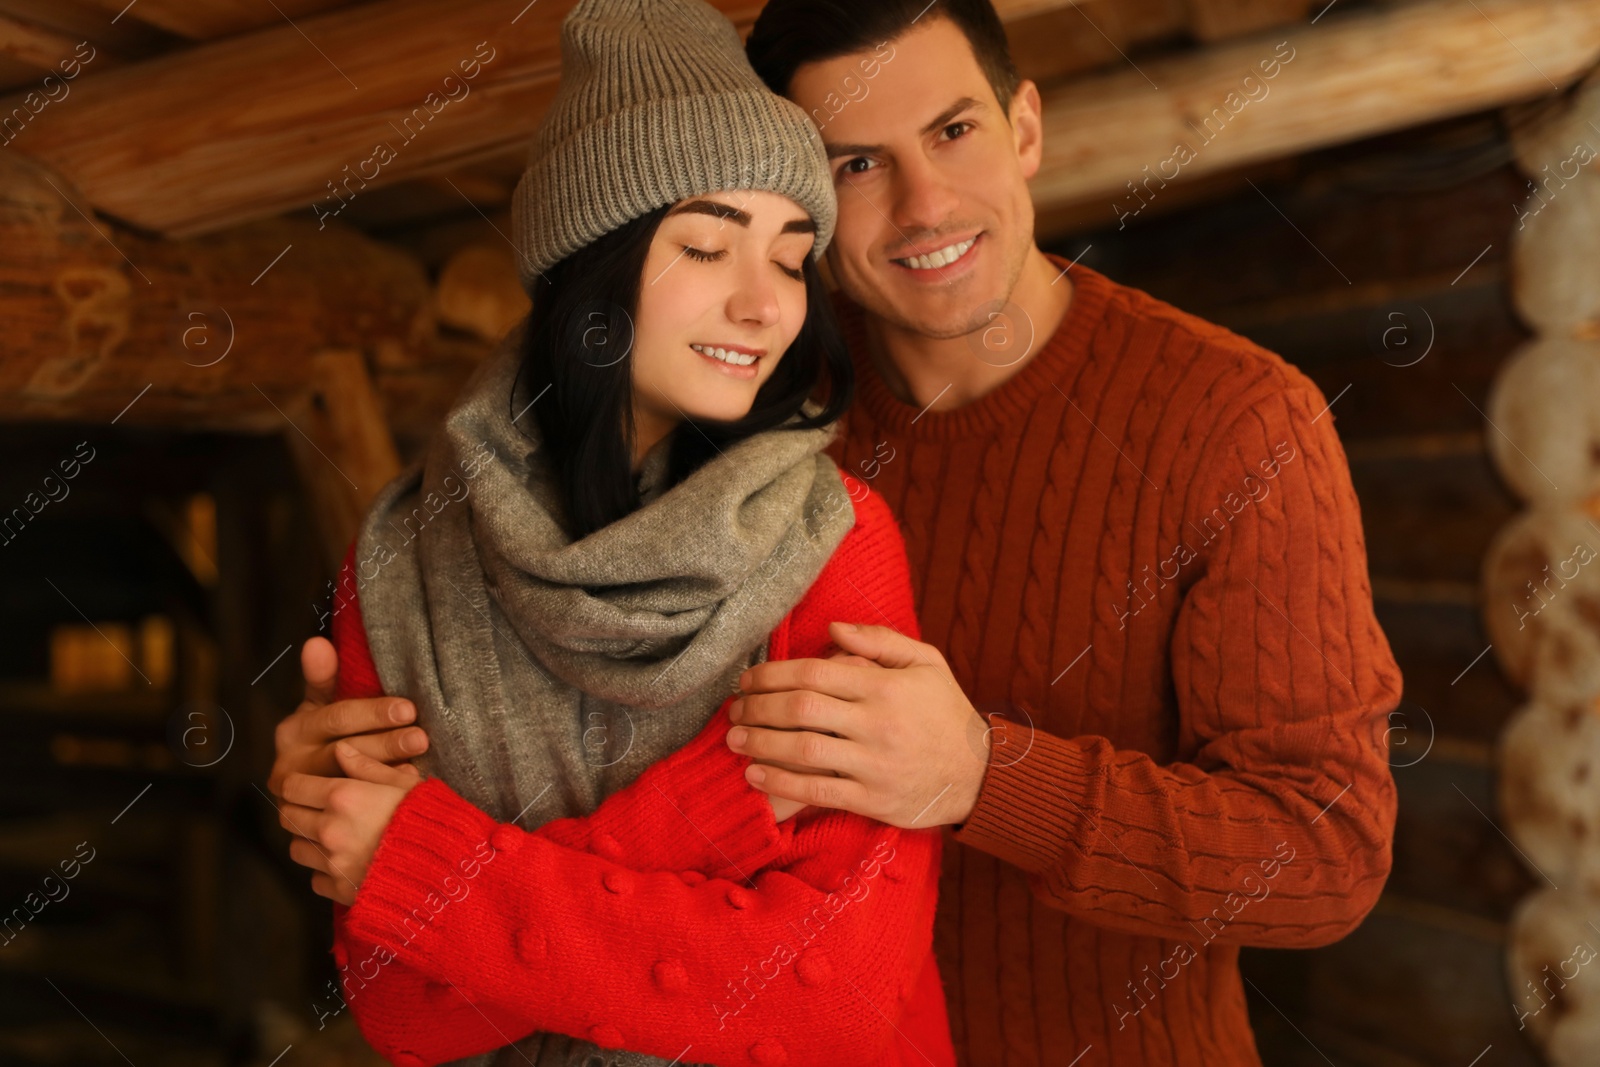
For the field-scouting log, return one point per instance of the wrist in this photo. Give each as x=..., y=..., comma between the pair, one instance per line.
x=963, y=795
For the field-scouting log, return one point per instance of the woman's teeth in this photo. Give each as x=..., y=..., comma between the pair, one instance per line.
x=948, y=254
x=738, y=359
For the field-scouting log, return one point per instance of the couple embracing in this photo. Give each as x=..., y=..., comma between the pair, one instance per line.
x=767, y=689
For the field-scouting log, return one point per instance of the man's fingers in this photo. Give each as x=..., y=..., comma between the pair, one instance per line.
x=393, y=746
x=358, y=765
x=801, y=749
x=308, y=790
x=814, y=790
x=829, y=677
x=888, y=647
x=799, y=709
x=309, y=854
x=346, y=718
x=319, y=663
x=302, y=821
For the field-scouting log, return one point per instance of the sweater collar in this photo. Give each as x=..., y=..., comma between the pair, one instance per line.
x=1008, y=403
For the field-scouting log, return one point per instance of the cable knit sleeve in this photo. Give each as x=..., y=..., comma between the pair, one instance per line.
x=1278, y=832
x=809, y=959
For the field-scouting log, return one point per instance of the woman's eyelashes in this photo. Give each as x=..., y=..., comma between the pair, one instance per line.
x=797, y=273
x=702, y=255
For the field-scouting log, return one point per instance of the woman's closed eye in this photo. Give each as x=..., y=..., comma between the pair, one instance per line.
x=797, y=273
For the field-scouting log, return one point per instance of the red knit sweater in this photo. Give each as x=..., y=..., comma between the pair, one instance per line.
x=678, y=919
x=1146, y=546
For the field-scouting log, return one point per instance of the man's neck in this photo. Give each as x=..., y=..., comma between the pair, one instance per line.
x=947, y=373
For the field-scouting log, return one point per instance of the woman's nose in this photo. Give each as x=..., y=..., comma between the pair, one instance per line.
x=755, y=300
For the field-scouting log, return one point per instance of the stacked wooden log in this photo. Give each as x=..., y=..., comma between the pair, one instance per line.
x=1542, y=580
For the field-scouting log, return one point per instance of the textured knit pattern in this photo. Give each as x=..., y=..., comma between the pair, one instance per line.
x=679, y=918
x=657, y=103
x=1144, y=553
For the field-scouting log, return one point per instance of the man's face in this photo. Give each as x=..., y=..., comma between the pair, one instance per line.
x=935, y=221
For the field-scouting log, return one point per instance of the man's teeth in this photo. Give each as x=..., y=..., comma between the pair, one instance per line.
x=738, y=359
x=948, y=254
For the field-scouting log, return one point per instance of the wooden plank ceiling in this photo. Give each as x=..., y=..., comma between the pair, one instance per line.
x=147, y=148
x=198, y=115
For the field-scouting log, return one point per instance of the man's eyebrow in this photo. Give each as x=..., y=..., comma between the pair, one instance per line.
x=939, y=121
x=720, y=210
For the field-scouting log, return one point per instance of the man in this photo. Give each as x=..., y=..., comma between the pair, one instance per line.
x=1151, y=698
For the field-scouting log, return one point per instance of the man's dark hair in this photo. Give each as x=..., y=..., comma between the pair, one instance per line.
x=788, y=34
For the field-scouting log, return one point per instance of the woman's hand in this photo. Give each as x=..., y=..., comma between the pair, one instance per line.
x=783, y=807
x=337, y=822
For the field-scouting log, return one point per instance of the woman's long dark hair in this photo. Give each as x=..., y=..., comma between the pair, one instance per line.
x=577, y=358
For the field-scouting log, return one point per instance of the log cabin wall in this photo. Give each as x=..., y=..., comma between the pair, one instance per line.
x=199, y=550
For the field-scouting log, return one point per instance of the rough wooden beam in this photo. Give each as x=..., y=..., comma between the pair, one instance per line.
x=1216, y=20
x=1115, y=138
x=203, y=20
x=341, y=444
x=293, y=114
x=212, y=333
x=38, y=46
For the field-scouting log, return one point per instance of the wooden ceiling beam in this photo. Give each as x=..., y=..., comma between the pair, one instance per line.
x=105, y=324
x=294, y=114
x=1119, y=139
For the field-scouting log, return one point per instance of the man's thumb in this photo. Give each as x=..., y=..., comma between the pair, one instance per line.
x=319, y=663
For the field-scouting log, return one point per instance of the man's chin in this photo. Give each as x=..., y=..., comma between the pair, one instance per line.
x=937, y=316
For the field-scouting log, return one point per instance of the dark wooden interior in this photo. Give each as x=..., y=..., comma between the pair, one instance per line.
x=210, y=506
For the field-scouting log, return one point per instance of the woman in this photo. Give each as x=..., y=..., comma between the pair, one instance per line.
x=628, y=506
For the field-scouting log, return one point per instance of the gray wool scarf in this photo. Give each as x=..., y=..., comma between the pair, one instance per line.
x=549, y=673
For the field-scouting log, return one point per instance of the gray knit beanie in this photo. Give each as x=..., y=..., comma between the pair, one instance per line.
x=657, y=103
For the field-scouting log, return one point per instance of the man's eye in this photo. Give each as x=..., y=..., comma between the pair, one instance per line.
x=850, y=167
x=962, y=126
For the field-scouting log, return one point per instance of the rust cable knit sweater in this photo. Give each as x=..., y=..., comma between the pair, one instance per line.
x=1145, y=552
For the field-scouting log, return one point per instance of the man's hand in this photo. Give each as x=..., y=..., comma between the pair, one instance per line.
x=882, y=730
x=375, y=726
x=337, y=822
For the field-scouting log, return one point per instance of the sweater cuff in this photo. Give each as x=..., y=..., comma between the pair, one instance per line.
x=429, y=853
x=1035, y=798
x=724, y=817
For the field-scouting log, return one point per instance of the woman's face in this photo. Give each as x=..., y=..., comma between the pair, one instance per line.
x=723, y=273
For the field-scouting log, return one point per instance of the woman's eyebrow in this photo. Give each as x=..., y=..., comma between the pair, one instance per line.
x=738, y=215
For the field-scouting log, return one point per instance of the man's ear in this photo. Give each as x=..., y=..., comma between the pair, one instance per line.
x=1027, y=127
